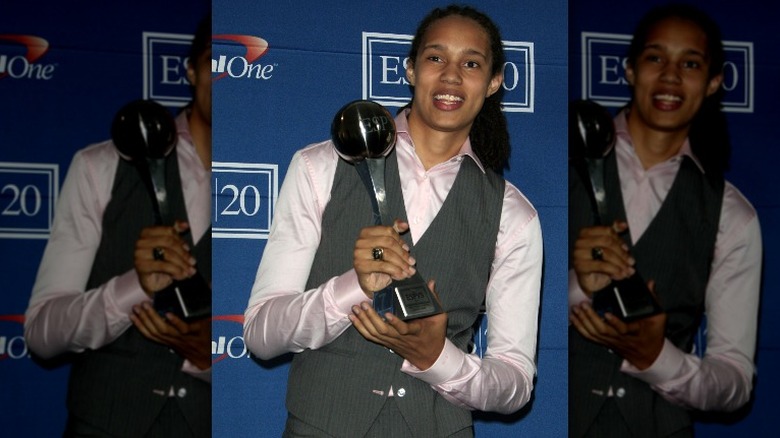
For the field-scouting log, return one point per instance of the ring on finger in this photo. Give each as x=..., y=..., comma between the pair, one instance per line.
x=378, y=254
x=597, y=253
x=158, y=253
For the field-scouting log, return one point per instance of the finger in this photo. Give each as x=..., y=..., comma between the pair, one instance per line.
x=181, y=227
x=143, y=329
x=403, y=328
x=618, y=325
x=175, y=249
x=400, y=226
x=157, y=322
x=596, y=323
x=576, y=321
x=361, y=327
x=372, y=319
x=178, y=323
x=395, y=259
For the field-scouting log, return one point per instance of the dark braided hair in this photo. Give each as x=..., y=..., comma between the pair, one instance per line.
x=489, y=135
x=708, y=135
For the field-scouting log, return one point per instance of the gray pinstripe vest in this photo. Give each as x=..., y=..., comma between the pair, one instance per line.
x=112, y=388
x=332, y=388
x=676, y=251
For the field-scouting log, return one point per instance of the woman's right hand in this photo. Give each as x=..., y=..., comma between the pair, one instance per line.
x=392, y=261
x=600, y=256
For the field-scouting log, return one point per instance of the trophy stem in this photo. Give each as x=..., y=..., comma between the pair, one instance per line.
x=372, y=173
x=596, y=173
x=157, y=189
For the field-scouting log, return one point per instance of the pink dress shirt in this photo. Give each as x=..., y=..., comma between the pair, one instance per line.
x=61, y=316
x=722, y=379
x=282, y=317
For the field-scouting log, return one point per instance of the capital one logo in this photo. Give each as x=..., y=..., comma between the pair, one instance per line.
x=12, y=343
x=165, y=68
x=244, y=199
x=238, y=57
x=24, y=65
x=229, y=340
x=604, y=66
x=384, y=71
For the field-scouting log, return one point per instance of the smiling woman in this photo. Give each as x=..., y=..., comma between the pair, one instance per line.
x=419, y=376
x=688, y=231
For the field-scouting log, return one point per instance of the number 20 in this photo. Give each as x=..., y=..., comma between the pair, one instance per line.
x=233, y=209
x=18, y=204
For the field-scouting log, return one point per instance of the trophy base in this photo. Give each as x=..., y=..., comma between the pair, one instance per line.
x=189, y=299
x=407, y=299
x=628, y=299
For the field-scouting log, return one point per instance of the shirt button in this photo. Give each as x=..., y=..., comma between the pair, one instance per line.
x=182, y=392
x=401, y=392
x=620, y=392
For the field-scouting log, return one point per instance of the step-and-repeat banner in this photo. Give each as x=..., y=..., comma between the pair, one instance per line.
x=65, y=69
x=281, y=71
x=599, y=34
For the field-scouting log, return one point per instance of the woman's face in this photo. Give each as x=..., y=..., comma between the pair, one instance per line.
x=451, y=75
x=670, y=76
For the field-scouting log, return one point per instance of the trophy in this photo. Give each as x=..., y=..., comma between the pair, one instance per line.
x=363, y=133
x=591, y=139
x=144, y=133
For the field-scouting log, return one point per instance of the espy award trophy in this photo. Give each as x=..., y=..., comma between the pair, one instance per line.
x=363, y=133
x=144, y=133
x=591, y=139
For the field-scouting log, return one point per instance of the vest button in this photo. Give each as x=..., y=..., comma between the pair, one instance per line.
x=620, y=392
x=182, y=392
x=401, y=392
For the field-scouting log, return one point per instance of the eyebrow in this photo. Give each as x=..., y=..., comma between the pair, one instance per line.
x=687, y=51
x=473, y=52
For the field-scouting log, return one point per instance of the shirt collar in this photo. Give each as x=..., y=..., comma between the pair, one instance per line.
x=621, y=132
x=402, y=130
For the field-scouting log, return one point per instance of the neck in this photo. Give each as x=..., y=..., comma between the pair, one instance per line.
x=655, y=146
x=435, y=147
x=200, y=130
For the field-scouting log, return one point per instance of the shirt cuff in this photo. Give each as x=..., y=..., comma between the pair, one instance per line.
x=665, y=368
x=347, y=292
x=443, y=370
x=128, y=293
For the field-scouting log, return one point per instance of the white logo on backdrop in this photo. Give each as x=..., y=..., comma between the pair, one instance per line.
x=384, y=71
x=244, y=199
x=604, y=64
x=28, y=195
x=165, y=68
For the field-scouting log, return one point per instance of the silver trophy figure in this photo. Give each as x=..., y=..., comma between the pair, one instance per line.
x=591, y=139
x=144, y=133
x=363, y=133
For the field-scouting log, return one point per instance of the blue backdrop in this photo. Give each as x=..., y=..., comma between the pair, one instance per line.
x=315, y=57
x=281, y=70
x=65, y=69
x=597, y=43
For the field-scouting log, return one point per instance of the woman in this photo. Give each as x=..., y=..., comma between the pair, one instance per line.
x=472, y=232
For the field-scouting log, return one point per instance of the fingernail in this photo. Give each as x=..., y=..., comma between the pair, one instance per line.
x=412, y=261
x=364, y=306
x=355, y=310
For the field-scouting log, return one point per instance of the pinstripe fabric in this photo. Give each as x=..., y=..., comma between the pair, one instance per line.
x=112, y=389
x=342, y=387
x=675, y=251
